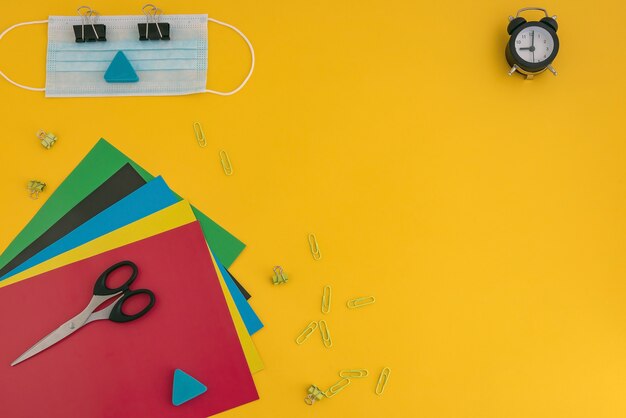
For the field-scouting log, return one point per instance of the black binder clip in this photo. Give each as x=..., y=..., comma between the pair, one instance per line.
x=89, y=31
x=153, y=30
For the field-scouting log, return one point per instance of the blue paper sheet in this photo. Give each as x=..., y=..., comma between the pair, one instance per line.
x=250, y=318
x=148, y=199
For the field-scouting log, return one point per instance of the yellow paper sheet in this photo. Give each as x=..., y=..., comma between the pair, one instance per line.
x=169, y=218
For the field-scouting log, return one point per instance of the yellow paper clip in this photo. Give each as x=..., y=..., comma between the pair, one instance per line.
x=326, y=295
x=47, y=139
x=304, y=335
x=353, y=373
x=383, y=380
x=359, y=302
x=35, y=187
x=279, y=275
x=226, y=165
x=325, y=334
x=314, y=394
x=337, y=387
x=315, y=248
x=197, y=129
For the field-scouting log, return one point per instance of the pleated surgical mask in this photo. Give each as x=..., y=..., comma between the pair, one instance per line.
x=124, y=65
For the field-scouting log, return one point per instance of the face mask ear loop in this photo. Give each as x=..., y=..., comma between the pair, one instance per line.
x=243, y=83
x=36, y=22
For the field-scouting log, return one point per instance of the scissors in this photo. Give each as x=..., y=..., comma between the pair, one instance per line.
x=101, y=293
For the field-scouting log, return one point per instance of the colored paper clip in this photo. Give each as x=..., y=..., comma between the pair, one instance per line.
x=383, y=380
x=89, y=31
x=279, y=275
x=326, y=297
x=315, y=248
x=197, y=129
x=328, y=342
x=153, y=29
x=359, y=302
x=337, y=387
x=47, y=139
x=304, y=335
x=353, y=373
x=314, y=394
x=35, y=187
x=226, y=165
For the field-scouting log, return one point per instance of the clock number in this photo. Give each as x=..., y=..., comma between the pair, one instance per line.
x=518, y=42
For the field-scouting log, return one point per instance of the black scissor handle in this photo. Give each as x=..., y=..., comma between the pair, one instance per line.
x=118, y=315
x=101, y=288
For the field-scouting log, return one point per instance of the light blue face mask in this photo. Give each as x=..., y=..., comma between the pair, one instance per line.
x=163, y=68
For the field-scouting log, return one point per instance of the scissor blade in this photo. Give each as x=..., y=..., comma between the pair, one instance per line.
x=54, y=337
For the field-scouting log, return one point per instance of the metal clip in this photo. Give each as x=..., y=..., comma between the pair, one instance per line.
x=279, y=275
x=325, y=334
x=326, y=298
x=337, y=387
x=47, y=139
x=304, y=335
x=359, y=302
x=353, y=373
x=226, y=164
x=153, y=29
x=314, y=394
x=383, y=380
x=89, y=31
x=197, y=129
x=315, y=248
x=35, y=187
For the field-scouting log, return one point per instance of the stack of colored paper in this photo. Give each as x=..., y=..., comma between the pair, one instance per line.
x=107, y=210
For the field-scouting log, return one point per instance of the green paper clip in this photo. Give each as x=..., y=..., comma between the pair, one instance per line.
x=226, y=164
x=315, y=248
x=337, y=387
x=326, y=296
x=325, y=334
x=353, y=373
x=304, y=335
x=359, y=302
x=314, y=394
x=279, y=275
x=383, y=380
x=197, y=129
x=47, y=139
x=35, y=187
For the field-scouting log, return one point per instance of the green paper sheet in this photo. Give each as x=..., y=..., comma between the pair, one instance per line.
x=98, y=165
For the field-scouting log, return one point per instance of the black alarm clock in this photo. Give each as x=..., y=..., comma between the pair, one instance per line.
x=533, y=45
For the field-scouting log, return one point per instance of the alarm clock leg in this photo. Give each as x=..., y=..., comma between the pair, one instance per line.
x=552, y=70
x=513, y=69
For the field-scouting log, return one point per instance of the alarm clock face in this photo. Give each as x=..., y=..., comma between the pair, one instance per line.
x=534, y=44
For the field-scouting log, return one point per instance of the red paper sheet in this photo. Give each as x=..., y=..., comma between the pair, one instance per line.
x=108, y=369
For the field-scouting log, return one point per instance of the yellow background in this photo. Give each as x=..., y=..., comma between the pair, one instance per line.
x=484, y=212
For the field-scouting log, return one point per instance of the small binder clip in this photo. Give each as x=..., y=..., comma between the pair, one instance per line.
x=359, y=302
x=383, y=379
x=89, y=31
x=197, y=129
x=314, y=394
x=279, y=275
x=153, y=29
x=47, y=138
x=304, y=335
x=35, y=187
x=326, y=297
